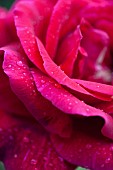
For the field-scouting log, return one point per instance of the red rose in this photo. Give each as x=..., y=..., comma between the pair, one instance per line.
x=56, y=93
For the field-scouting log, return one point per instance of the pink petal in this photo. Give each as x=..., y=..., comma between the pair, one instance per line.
x=30, y=22
x=8, y=100
x=86, y=147
x=27, y=146
x=61, y=10
x=55, y=72
x=103, y=89
x=23, y=86
x=96, y=44
x=67, y=103
x=72, y=44
x=5, y=37
x=62, y=22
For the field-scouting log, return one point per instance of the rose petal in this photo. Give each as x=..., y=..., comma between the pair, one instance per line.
x=22, y=84
x=103, y=89
x=62, y=22
x=96, y=44
x=86, y=147
x=55, y=72
x=67, y=103
x=30, y=22
x=59, y=14
x=5, y=37
x=8, y=100
x=30, y=149
x=72, y=43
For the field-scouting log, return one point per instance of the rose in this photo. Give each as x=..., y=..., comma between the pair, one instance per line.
x=48, y=109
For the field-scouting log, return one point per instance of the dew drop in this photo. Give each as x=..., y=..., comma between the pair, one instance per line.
x=19, y=63
x=34, y=91
x=57, y=85
x=9, y=66
x=42, y=81
x=107, y=160
x=15, y=156
x=102, y=165
x=29, y=50
x=45, y=158
x=12, y=69
x=16, y=16
x=50, y=164
x=70, y=103
x=68, y=99
x=69, y=108
x=76, y=102
x=88, y=146
x=24, y=74
x=26, y=139
x=33, y=162
x=111, y=148
x=98, y=86
x=87, y=110
x=52, y=72
x=25, y=42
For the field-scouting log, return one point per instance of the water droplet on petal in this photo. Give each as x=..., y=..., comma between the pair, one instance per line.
x=15, y=156
x=24, y=74
x=26, y=139
x=29, y=50
x=9, y=66
x=50, y=164
x=33, y=161
x=69, y=108
x=107, y=160
x=102, y=165
x=88, y=146
x=42, y=81
x=45, y=158
x=111, y=148
x=19, y=63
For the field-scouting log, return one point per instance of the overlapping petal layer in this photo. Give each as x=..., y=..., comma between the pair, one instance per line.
x=31, y=149
x=22, y=83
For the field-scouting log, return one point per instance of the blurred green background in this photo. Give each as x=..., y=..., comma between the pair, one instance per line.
x=6, y=3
